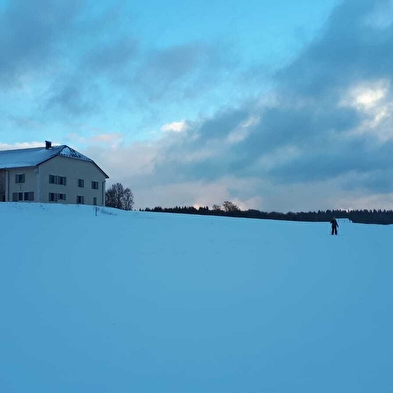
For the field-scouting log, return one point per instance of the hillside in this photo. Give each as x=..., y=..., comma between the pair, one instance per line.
x=140, y=302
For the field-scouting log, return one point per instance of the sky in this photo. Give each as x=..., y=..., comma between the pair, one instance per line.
x=153, y=302
x=274, y=105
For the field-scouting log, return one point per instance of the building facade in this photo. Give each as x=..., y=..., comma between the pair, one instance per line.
x=49, y=174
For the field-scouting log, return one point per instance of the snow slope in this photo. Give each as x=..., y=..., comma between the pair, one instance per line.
x=139, y=302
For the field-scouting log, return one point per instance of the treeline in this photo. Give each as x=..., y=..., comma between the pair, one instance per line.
x=357, y=216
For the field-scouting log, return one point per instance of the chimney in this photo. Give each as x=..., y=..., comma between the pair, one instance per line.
x=48, y=145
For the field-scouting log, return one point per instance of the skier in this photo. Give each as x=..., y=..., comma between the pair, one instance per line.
x=334, y=226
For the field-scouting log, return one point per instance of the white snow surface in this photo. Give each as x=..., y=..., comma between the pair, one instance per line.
x=137, y=302
x=68, y=152
x=19, y=158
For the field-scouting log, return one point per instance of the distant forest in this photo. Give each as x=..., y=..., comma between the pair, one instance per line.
x=228, y=209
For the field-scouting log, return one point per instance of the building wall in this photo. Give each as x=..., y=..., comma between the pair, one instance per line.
x=29, y=184
x=72, y=170
x=2, y=185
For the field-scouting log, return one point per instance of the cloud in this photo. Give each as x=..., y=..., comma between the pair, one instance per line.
x=112, y=56
x=81, y=59
x=22, y=145
x=181, y=72
x=176, y=126
x=323, y=142
x=108, y=139
x=373, y=99
x=382, y=15
x=320, y=137
x=70, y=96
x=29, y=32
x=57, y=49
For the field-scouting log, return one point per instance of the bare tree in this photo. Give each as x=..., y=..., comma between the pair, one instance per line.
x=230, y=207
x=119, y=197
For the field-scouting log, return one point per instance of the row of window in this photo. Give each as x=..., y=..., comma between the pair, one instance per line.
x=22, y=196
x=53, y=197
x=94, y=184
x=80, y=199
x=54, y=179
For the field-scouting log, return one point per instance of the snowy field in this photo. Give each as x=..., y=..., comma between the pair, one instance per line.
x=136, y=302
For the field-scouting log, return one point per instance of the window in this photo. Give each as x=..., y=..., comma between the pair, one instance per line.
x=94, y=200
x=94, y=185
x=81, y=183
x=22, y=196
x=54, y=197
x=17, y=196
x=53, y=179
x=80, y=199
x=20, y=178
x=29, y=196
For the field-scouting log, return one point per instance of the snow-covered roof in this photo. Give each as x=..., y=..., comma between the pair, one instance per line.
x=20, y=158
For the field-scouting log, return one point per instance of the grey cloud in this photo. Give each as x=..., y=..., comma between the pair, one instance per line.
x=308, y=115
x=172, y=71
x=221, y=124
x=55, y=38
x=307, y=128
x=70, y=40
x=349, y=50
x=111, y=57
x=324, y=161
x=379, y=181
x=287, y=125
x=94, y=61
x=70, y=97
x=29, y=32
x=200, y=139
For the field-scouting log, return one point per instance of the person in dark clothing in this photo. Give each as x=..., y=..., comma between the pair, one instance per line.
x=334, y=226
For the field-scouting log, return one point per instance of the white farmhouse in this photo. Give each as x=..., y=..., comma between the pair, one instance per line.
x=51, y=174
